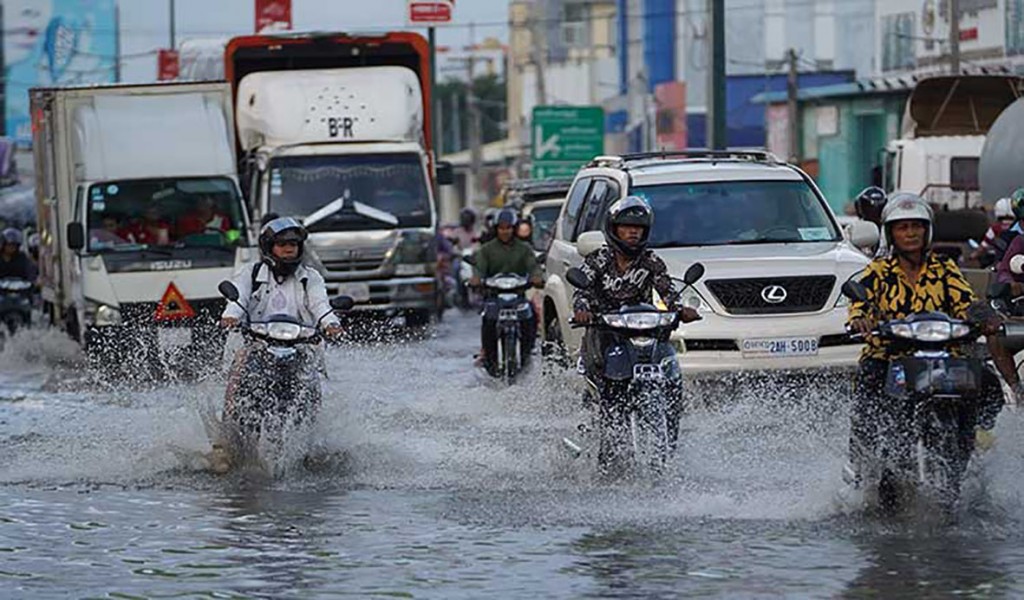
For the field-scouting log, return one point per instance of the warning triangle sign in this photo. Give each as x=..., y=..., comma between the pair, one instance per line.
x=173, y=306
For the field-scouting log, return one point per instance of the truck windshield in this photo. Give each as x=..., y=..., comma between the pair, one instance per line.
x=393, y=183
x=173, y=213
x=736, y=212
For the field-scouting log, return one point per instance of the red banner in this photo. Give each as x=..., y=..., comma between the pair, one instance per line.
x=273, y=15
x=167, y=65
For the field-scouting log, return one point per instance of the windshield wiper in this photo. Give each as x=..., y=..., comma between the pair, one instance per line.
x=342, y=205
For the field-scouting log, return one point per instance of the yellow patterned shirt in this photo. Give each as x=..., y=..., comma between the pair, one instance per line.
x=940, y=287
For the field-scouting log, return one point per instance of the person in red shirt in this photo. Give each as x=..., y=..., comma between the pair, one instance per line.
x=150, y=230
x=204, y=219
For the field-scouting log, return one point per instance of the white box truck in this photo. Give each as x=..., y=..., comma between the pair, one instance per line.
x=334, y=131
x=140, y=216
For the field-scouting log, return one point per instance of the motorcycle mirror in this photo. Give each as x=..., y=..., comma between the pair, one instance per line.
x=228, y=290
x=855, y=291
x=342, y=303
x=577, y=278
x=999, y=290
x=693, y=274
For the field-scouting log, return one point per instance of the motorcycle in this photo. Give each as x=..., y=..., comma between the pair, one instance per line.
x=639, y=391
x=505, y=302
x=927, y=435
x=15, y=304
x=465, y=296
x=277, y=388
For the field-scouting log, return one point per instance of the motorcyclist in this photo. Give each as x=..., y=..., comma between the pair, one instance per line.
x=909, y=279
x=466, y=234
x=624, y=272
x=869, y=205
x=505, y=254
x=1001, y=243
x=1004, y=220
x=13, y=262
x=488, y=233
x=278, y=284
x=524, y=230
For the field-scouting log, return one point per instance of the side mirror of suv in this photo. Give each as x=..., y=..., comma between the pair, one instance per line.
x=589, y=243
x=863, y=234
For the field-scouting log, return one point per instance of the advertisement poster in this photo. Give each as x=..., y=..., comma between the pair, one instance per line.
x=54, y=42
x=273, y=15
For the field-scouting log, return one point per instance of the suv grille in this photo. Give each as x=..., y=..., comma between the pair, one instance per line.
x=747, y=296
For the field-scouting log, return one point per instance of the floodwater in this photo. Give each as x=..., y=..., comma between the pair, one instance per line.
x=440, y=484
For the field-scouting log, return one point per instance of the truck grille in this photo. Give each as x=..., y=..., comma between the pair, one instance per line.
x=354, y=265
x=747, y=296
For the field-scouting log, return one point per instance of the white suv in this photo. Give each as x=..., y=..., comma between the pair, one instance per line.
x=775, y=257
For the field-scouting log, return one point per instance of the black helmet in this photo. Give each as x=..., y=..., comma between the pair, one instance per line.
x=869, y=204
x=282, y=229
x=631, y=210
x=467, y=218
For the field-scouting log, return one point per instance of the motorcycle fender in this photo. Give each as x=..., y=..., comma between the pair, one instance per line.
x=490, y=311
x=618, y=362
x=670, y=368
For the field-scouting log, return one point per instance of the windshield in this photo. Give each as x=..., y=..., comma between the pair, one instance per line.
x=175, y=213
x=394, y=184
x=736, y=212
x=544, y=225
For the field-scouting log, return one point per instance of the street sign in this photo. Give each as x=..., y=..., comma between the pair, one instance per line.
x=273, y=15
x=430, y=12
x=564, y=138
x=173, y=306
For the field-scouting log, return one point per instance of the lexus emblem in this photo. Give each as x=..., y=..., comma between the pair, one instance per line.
x=774, y=294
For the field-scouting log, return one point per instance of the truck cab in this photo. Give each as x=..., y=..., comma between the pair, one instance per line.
x=334, y=131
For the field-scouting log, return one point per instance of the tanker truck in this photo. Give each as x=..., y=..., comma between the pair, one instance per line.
x=334, y=129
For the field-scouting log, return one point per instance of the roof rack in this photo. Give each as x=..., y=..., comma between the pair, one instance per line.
x=751, y=154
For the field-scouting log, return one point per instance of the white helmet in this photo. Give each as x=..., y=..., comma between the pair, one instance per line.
x=906, y=206
x=1004, y=209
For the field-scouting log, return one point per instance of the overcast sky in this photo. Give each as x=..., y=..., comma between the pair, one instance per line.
x=145, y=23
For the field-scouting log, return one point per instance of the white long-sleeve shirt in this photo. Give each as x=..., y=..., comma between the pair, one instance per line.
x=306, y=302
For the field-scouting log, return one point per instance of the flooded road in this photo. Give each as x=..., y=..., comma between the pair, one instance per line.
x=442, y=485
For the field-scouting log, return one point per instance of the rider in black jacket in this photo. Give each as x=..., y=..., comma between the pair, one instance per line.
x=622, y=273
x=13, y=262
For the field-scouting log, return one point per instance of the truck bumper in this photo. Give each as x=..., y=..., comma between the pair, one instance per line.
x=392, y=296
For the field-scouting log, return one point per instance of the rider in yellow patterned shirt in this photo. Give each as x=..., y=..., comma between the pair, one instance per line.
x=910, y=279
x=940, y=287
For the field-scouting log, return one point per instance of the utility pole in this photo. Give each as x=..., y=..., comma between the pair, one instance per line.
x=954, y=36
x=475, y=149
x=172, y=23
x=716, y=131
x=792, y=87
x=117, y=43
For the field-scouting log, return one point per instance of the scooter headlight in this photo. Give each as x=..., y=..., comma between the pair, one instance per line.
x=284, y=331
x=505, y=283
x=932, y=331
x=644, y=320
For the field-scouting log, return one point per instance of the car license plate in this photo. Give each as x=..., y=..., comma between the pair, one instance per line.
x=359, y=292
x=779, y=347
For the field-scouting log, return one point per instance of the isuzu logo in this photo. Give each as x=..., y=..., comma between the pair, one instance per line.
x=774, y=294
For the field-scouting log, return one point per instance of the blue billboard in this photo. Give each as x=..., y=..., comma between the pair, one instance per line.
x=54, y=42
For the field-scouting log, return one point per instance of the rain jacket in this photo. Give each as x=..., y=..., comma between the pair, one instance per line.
x=302, y=295
x=940, y=287
x=611, y=290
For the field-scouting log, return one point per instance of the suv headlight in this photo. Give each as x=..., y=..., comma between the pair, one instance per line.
x=843, y=301
x=691, y=298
